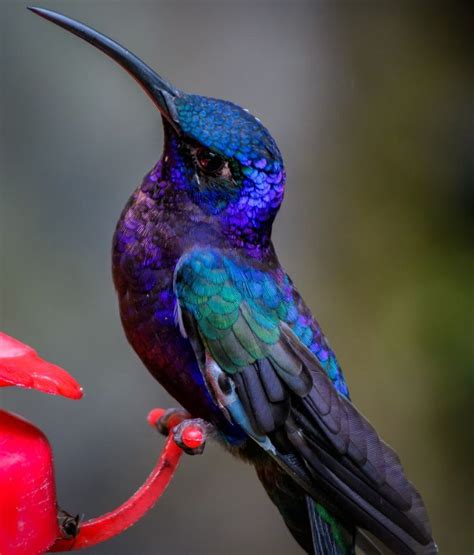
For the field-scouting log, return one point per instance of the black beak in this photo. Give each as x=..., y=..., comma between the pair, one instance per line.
x=160, y=91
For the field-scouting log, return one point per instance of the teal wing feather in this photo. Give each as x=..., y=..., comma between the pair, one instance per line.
x=256, y=357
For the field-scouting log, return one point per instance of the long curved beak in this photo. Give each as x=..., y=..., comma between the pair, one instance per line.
x=160, y=91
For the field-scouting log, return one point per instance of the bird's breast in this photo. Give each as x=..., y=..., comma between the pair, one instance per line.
x=145, y=253
x=147, y=245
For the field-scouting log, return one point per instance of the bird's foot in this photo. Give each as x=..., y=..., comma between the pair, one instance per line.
x=166, y=420
x=190, y=434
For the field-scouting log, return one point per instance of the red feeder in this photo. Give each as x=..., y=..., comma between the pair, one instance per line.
x=21, y=366
x=28, y=510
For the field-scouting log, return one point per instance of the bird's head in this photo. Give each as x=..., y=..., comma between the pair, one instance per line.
x=217, y=152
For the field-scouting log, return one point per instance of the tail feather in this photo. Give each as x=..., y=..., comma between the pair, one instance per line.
x=317, y=532
x=327, y=536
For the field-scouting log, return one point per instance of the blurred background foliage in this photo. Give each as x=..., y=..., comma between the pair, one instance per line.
x=372, y=106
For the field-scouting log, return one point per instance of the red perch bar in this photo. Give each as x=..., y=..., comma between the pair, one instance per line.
x=102, y=528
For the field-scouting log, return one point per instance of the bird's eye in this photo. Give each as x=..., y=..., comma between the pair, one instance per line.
x=209, y=161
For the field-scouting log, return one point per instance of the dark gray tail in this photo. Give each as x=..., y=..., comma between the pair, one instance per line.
x=328, y=537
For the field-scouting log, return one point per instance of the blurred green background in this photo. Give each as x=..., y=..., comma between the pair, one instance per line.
x=372, y=106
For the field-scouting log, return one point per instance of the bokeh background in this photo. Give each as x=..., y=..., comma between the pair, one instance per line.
x=372, y=106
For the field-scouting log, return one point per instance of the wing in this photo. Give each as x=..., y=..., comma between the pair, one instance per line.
x=266, y=380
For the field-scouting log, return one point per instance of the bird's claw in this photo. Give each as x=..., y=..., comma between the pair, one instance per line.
x=166, y=420
x=191, y=435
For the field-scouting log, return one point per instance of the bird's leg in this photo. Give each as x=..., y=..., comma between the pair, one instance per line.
x=190, y=434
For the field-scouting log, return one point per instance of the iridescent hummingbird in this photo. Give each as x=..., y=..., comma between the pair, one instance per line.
x=212, y=314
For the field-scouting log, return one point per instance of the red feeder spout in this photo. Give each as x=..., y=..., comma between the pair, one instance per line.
x=20, y=366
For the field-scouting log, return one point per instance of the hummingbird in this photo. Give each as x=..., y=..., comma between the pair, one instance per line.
x=218, y=322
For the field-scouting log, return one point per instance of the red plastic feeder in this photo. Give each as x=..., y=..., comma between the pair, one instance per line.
x=29, y=523
x=28, y=512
